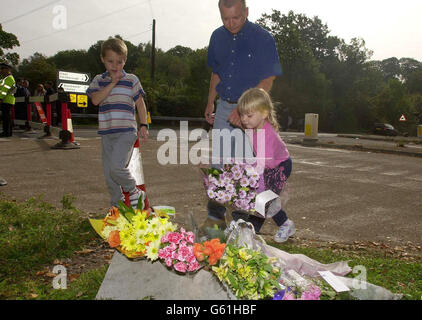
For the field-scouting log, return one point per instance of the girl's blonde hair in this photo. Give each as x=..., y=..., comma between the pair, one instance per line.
x=257, y=99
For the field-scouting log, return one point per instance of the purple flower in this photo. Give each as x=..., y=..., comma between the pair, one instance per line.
x=211, y=194
x=237, y=175
x=244, y=182
x=242, y=194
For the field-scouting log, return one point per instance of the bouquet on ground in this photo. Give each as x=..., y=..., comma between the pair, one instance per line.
x=235, y=185
x=249, y=273
x=177, y=251
x=209, y=251
x=134, y=232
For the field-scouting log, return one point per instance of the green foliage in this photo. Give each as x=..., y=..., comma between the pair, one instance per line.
x=35, y=233
x=8, y=41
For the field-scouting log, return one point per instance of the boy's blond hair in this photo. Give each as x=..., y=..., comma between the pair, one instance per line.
x=258, y=100
x=115, y=44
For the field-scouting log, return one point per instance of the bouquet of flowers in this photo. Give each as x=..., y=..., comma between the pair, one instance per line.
x=134, y=232
x=177, y=251
x=235, y=184
x=209, y=251
x=249, y=273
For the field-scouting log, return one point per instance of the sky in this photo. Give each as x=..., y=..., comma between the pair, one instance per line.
x=389, y=28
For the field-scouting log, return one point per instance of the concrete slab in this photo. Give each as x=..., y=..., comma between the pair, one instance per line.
x=137, y=280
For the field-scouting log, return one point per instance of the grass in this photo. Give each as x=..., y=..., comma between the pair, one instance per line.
x=396, y=275
x=34, y=234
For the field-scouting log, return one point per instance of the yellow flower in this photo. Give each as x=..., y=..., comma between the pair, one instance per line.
x=230, y=262
x=221, y=272
x=243, y=253
x=152, y=250
x=129, y=244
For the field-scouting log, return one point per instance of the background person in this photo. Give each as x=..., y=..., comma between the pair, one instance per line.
x=7, y=98
x=242, y=55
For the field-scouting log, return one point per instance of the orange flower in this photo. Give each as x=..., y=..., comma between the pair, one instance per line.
x=198, y=252
x=114, y=213
x=208, y=251
x=212, y=260
x=114, y=239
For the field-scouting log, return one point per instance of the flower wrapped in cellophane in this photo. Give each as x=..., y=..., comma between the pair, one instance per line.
x=249, y=273
x=234, y=185
x=134, y=232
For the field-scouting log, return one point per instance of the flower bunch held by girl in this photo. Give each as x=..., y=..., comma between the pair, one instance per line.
x=273, y=159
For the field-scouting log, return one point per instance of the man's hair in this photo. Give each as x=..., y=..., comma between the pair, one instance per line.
x=231, y=3
x=115, y=44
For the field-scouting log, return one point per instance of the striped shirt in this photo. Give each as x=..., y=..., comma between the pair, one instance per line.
x=116, y=113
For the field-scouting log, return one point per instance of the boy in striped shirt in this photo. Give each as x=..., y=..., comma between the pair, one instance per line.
x=119, y=95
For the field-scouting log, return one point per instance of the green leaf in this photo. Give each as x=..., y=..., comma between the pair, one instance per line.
x=140, y=205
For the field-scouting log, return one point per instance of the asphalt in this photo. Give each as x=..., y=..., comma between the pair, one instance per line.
x=407, y=146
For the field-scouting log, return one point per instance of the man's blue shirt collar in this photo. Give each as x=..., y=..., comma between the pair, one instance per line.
x=246, y=27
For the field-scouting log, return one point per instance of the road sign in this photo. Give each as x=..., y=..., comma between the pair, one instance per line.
x=73, y=76
x=82, y=101
x=73, y=87
x=72, y=97
x=402, y=118
x=72, y=82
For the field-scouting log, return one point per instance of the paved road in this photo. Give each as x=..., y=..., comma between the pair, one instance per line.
x=334, y=194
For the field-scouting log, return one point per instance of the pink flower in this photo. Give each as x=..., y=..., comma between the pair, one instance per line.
x=180, y=266
x=190, y=258
x=174, y=237
x=288, y=296
x=193, y=266
x=190, y=237
x=172, y=247
x=184, y=252
x=313, y=293
x=169, y=262
x=164, y=238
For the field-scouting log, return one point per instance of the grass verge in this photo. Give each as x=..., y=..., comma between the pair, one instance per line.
x=33, y=235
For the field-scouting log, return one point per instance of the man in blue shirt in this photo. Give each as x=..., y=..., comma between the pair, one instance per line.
x=242, y=55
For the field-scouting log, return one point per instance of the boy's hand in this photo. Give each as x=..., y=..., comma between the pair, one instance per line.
x=144, y=133
x=116, y=76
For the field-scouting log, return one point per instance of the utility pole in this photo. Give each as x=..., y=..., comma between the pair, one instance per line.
x=153, y=52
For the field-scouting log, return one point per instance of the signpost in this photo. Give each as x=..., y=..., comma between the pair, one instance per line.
x=75, y=84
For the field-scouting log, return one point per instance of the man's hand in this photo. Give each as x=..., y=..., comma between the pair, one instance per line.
x=209, y=115
x=234, y=118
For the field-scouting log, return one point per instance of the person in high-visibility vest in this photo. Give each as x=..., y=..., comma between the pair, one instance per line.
x=7, y=98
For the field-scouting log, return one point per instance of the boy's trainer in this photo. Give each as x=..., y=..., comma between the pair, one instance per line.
x=134, y=197
x=285, y=231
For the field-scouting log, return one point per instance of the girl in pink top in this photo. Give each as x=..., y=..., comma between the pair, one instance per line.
x=273, y=159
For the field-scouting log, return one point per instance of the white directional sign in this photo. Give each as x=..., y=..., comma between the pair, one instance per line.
x=73, y=87
x=73, y=76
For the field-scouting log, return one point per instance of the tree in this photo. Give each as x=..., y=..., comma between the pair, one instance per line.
x=8, y=41
x=37, y=69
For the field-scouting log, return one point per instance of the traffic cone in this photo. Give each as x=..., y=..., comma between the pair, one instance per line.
x=135, y=167
x=66, y=135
